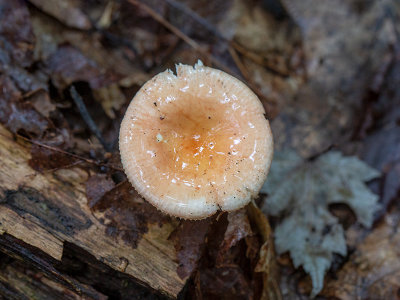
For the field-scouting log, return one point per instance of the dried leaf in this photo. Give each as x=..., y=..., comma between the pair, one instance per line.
x=127, y=214
x=217, y=17
x=226, y=272
x=381, y=148
x=227, y=282
x=43, y=159
x=16, y=34
x=238, y=228
x=96, y=186
x=64, y=11
x=68, y=64
x=189, y=238
x=373, y=271
x=17, y=115
x=257, y=26
x=40, y=100
x=266, y=262
x=343, y=43
x=301, y=192
x=111, y=99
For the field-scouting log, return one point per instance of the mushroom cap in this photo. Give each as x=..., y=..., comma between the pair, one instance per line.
x=196, y=142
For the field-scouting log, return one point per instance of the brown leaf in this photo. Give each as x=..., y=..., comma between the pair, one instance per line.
x=16, y=115
x=224, y=283
x=16, y=32
x=228, y=268
x=342, y=47
x=373, y=271
x=382, y=147
x=96, y=186
x=20, y=116
x=189, y=240
x=267, y=263
x=111, y=99
x=127, y=214
x=64, y=11
x=43, y=159
x=217, y=18
x=68, y=64
x=40, y=100
x=238, y=228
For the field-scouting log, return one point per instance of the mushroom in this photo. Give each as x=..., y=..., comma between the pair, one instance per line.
x=196, y=142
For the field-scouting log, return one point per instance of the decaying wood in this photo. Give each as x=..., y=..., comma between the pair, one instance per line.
x=26, y=271
x=47, y=210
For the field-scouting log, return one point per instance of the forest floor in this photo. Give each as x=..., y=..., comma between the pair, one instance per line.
x=328, y=75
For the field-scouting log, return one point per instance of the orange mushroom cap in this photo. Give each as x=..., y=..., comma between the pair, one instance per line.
x=196, y=142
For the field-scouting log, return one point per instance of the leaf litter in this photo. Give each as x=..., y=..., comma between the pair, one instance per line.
x=311, y=65
x=300, y=192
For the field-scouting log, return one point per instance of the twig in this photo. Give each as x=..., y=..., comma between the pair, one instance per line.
x=159, y=18
x=197, y=47
x=246, y=75
x=55, y=169
x=62, y=167
x=259, y=60
x=87, y=118
x=211, y=28
x=239, y=63
x=196, y=17
x=88, y=160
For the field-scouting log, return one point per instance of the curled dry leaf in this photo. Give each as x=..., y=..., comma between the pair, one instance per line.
x=68, y=64
x=238, y=229
x=40, y=99
x=266, y=263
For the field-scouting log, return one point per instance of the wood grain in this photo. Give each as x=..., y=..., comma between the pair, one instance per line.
x=46, y=210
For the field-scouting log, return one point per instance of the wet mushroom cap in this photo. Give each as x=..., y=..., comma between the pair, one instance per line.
x=196, y=142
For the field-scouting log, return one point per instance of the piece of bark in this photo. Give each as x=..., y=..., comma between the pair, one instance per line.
x=38, y=261
x=47, y=210
x=17, y=282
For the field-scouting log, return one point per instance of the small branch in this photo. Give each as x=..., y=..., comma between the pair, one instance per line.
x=254, y=86
x=239, y=63
x=259, y=60
x=159, y=18
x=232, y=44
x=88, y=160
x=196, y=17
x=87, y=118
